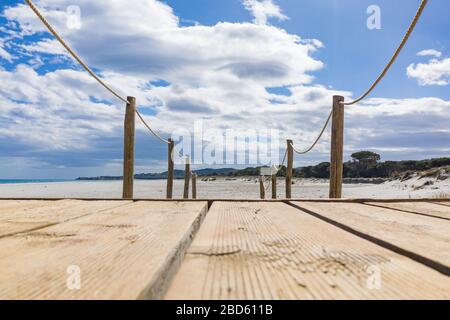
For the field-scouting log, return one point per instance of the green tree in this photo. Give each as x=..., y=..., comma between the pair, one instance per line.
x=366, y=157
x=363, y=162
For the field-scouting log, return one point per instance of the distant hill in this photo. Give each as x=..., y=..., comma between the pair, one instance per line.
x=178, y=174
x=362, y=168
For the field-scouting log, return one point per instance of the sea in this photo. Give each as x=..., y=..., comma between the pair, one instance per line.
x=15, y=181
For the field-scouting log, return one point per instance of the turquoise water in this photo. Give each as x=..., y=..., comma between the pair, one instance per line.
x=12, y=181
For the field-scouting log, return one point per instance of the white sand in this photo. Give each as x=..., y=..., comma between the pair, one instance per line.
x=222, y=189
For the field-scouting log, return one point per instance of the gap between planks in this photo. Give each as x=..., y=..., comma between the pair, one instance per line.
x=431, y=248
x=427, y=209
x=267, y=251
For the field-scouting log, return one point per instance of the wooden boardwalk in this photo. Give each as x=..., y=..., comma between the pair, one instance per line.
x=113, y=249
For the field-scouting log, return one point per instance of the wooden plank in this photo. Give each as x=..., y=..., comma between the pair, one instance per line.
x=359, y=200
x=8, y=205
x=443, y=203
x=127, y=252
x=424, y=236
x=274, y=251
x=22, y=216
x=420, y=208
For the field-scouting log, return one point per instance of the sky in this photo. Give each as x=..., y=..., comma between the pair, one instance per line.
x=233, y=65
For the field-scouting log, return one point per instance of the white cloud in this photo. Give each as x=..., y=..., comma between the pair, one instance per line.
x=53, y=111
x=263, y=10
x=3, y=53
x=50, y=46
x=219, y=70
x=144, y=15
x=430, y=53
x=155, y=46
x=434, y=72
x=218, y=73
x=416, y=128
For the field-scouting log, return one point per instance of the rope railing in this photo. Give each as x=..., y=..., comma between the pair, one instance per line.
x=317, y=139
x=150, y=128
x=278, y=170
x=86, y=67
x=337, y=114
x=395, y=56
x=377, y=81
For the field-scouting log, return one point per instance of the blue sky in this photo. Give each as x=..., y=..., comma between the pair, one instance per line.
x=350, y=49
x=234, y=64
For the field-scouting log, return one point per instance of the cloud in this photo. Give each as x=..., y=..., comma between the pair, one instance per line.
x=48, y=46
x=400, y=126
x=155, y=46
x=3, y=53
x=217, y=73
x=434, y=72
x=53, y=111
x=262, y=10
x=430, y=52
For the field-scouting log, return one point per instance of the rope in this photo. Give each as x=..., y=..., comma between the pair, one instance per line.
x=318, y=138
x=74, y=55
x=85, y=66
x=269, y=180
x=278, y=170
x=150, y=128
x=284, y=160
x=396, y=54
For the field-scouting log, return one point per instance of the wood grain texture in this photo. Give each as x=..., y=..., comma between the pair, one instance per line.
x=194, y=186
x=421, y=208
x=262, y=188
x=187, y=179
x=274, y=186
x=426, y=236
x=128, y=252
x=443, y=203
x=170, y=167
x=22, y=216
x=129, y=148
x=290, y=168
x=337, y=148
x=274, y=251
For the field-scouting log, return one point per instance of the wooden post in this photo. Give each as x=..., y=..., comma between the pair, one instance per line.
x=194, y=186
x=187, y=178
x=274, y=186
x=170, y=166
x=337, y=148
x=262, y=190
x=128, y=156
x=290, y=167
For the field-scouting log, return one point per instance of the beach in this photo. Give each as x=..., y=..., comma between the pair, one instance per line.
x=221, y=188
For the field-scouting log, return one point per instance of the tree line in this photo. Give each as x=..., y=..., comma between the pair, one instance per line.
x=363, y=164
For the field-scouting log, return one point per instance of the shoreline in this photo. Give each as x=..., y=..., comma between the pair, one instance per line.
x=227, y=188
